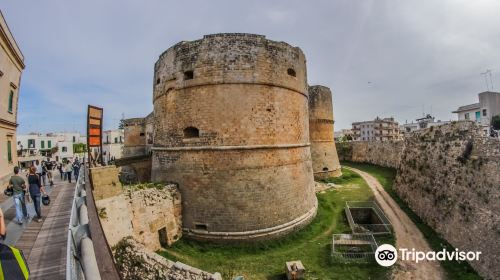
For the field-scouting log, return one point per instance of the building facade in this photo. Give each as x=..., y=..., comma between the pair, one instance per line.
x=112, y=145
x=421, y=123
x=380, y=129
x=11, y=67
x=481, y=112
x=53, y=146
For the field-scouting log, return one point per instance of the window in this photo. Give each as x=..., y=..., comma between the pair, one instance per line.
x=188, y=75
x=49, y=144
x=64, y=149
x=141, y=134
x=116, y=140
x=325, y=168
x=42, y=144
x=74, y=139
x=121, y=139
x=9, y=151
x=11, y=101
x=31, y=143
x=484, y=112
x=467, y=116
x=478, y=116
x=291, y=72
x=158, y=81
x=191, y=132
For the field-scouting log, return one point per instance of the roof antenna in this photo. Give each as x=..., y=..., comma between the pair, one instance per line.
x=487, y=74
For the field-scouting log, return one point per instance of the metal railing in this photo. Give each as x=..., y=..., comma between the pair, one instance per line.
x=81, y=261
x=382, y=226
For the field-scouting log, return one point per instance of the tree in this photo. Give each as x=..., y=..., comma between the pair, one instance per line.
x=79, y=148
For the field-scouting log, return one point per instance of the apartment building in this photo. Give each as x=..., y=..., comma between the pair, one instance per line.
x=379, y=129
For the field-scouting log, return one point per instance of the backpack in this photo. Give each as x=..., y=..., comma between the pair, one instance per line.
x=13, y=265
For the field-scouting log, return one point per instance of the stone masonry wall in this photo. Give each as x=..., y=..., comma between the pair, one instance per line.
x=135, y=262
x=383, y=153
x=450, y=177
x=243, y=101
x=151, y=215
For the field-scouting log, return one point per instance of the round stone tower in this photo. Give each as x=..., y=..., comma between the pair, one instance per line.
x=231, y=128
x=324, y=154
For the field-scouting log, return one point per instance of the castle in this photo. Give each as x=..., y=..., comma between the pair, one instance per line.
x=237, y=128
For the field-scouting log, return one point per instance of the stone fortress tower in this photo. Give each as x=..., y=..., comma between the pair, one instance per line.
x=324, y=154
x=231, y=128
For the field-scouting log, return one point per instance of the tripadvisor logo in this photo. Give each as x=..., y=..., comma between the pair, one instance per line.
x=387, y=255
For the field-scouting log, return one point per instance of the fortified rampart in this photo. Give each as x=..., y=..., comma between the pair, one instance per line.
x=325, y=161
x=383, y=153
x=151, y=215
x=450, y=176
x=231, y=128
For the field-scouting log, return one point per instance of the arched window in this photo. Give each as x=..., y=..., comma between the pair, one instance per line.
x=11, y=101
x=325, y=168
x=158, y=81
x=191, y=132
x=291, y=72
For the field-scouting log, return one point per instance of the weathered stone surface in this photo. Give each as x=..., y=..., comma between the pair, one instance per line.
x=105, y=182
x=325, y=161
x=152, y=216
x=244, y=99
x=450, y=176
x=134, y=261
x=383, y=153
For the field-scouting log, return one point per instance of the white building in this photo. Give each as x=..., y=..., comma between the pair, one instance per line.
x=482, y=112
x=112, y=144
x=379, y=129
x=37, y=146
x=421, y=123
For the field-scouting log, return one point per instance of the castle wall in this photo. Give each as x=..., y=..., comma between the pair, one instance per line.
x=325, y=161
x=383, y=153
x=450, y=177
x=151, y=216
x=245, y=102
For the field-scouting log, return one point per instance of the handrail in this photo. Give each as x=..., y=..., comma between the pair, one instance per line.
x=81, y=262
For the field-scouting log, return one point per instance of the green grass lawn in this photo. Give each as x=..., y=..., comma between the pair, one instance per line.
x=311, y=245
x=454, y=269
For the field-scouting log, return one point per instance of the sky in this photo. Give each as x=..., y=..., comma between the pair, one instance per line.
x=379, y=57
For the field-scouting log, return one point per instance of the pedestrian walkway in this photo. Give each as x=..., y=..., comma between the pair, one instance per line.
x=43, y=244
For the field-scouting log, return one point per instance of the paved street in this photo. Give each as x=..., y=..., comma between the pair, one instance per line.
x=43, y=244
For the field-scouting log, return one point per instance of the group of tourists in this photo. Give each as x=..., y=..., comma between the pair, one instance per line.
x=38, y=176
x=31, y=188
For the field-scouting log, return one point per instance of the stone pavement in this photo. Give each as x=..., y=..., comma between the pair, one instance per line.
x=43, y=244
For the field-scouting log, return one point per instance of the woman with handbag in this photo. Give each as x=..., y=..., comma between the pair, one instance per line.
x=36, y=189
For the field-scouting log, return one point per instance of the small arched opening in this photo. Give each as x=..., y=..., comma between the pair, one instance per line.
x=325, y=168
x=291, y=72
x=188, y=75
x=191, y=132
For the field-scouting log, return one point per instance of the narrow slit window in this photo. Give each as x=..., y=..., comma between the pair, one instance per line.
x=191, y=132
x=188, y=75
x=291, y=72
x=201, y=226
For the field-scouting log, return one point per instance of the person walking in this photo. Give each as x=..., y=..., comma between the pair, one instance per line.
x=18, y=186
x=36, y=189
x=76, y=168
x=60, y=168
x=39, y=171
x=68, y=168
x=49, y=166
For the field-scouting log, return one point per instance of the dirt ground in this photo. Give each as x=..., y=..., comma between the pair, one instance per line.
x=407, y=235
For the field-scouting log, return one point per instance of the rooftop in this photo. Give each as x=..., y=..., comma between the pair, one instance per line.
x=467, y=107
